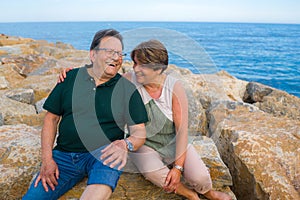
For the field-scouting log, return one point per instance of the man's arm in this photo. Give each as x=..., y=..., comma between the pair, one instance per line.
x=49, y=171
x=116, y=153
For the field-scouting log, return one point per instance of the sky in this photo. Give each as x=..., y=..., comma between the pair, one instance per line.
x=257, y=11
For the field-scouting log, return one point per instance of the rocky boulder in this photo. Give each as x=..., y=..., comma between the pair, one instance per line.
x=255, y=128
x=19, y=159
x=21, y=95
x=6, y=40
x=15, y=112
x=261, y=151
x=209, y=88
x=270, y=100
x=134, y=186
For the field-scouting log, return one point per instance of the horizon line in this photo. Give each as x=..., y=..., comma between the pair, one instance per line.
x=156, y=21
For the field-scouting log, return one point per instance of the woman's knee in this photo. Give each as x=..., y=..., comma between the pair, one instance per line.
x=157, y=177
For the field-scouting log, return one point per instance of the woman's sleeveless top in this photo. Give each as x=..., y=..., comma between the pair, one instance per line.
x=161, y=135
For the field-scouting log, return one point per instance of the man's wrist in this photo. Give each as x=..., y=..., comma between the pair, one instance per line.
x=129, y=145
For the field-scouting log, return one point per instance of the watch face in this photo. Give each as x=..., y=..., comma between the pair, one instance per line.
x=129, y=145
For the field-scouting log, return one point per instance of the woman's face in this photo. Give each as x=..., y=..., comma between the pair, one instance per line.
x=144, y=73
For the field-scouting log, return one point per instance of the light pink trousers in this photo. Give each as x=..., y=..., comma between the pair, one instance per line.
x=154, y=168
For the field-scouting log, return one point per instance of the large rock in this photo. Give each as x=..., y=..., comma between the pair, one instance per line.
x=19, y=159
x=21, y=95
x=261, y=151
x=197, y=117
x=273, y=101
x=14, y=112
x=24, y=64
x=6, y=40
x=134, y=186
x=11, y=76
x=42, y=85
x=208, y=151
x=209, y=88
x=255, y=92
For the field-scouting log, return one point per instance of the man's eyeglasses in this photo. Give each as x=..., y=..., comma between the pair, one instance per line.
x=111, y=52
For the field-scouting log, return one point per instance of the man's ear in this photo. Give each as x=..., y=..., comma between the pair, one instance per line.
x=92, y=56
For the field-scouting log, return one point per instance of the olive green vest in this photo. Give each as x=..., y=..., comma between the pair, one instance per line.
x=161, y=135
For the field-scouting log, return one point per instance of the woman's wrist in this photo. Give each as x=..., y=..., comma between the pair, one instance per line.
x=179, y=167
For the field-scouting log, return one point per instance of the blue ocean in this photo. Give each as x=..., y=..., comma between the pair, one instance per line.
x=264, y=53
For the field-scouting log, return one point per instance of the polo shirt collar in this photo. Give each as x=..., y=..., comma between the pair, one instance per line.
x=110, y=82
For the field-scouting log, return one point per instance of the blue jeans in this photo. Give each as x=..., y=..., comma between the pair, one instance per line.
x=73, y=167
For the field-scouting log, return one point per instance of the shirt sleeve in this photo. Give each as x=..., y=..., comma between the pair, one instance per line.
x=53, y=103
x=137, y=110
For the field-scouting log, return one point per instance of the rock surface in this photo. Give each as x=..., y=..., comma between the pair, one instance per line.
x=247, y=133
x=134, y=186
x=19, y=159
x=261, y=151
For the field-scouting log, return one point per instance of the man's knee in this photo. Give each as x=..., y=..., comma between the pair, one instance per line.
x=96, y=191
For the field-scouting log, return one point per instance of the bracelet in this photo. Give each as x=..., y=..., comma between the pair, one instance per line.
x=180, y=168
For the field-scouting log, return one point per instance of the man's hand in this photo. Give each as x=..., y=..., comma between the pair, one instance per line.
x=172, y=180
x=48, y=175
x=115, y=153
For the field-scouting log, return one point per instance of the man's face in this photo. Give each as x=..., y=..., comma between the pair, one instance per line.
x=106, y=56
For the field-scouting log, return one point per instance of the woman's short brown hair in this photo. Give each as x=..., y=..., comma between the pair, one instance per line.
x=151, y=52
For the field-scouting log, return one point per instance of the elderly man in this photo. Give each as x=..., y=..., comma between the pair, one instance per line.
x=92, y=107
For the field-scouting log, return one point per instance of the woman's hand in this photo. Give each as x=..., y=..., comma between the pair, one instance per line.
x=172, y=180
x=63, y=74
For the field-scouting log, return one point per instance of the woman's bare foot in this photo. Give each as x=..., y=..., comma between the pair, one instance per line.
x=194, y=197
x=215, y=195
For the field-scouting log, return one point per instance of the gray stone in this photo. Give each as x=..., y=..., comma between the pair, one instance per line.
x=21, y=95
x=15, y=112
x=255, y=92
x=39, y=105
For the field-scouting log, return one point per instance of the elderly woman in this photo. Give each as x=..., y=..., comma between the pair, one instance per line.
x=166, y=154
x=167, y=130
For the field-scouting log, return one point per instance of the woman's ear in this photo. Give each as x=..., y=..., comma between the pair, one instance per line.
x=160, y=71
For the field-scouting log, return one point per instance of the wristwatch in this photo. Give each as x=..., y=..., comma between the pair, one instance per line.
x=129, y=145
x=180, y=168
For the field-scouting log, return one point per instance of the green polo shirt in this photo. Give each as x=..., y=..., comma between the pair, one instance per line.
x=93, y=116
